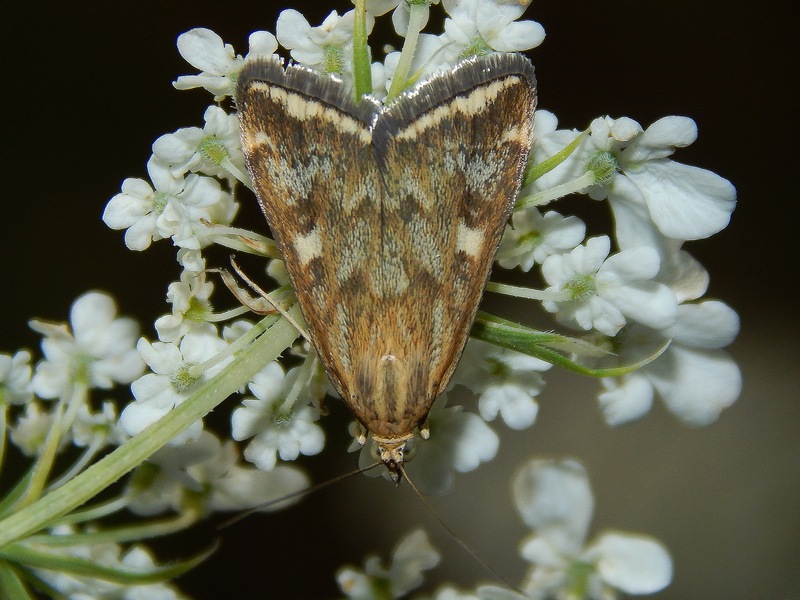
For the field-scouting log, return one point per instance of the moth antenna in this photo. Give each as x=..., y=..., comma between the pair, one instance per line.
x=254, y=286
x=469, y=549
x=304, y=492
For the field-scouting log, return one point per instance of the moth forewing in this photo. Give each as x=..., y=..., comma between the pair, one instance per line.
x=388, y=219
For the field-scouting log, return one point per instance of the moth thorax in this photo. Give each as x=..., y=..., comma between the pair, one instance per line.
x=391, y=452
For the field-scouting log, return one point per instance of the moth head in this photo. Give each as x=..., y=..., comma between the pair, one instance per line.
x=391, y=453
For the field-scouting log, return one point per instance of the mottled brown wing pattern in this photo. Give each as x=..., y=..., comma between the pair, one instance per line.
x=452, y=155
x=310, y=158
x=389, y=219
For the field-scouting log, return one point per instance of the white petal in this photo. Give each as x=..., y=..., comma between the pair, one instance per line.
x=262, y=43
x=138, y=415
x=91, y=314
x=174, y=148
x=629, y=400
x=554, y=497
x=122, y=211
x=709, y=324
x=624, y=129
x=516, y=406
x=542, y=551
x=204, y=49
x=686, y=203
x=633, y=224
x=521, y=35
x=588, y=259
x=477, y=443
x=684, y=275
x=633, y=564
x=661, y=139
x=412, y=555
x=261, y=455
x=292, y=29
x=650, y=303
x=633, y=264
x=696, y=385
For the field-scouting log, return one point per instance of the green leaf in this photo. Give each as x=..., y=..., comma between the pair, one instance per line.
x=548, y=346
x=60, y=563
x=148, y=529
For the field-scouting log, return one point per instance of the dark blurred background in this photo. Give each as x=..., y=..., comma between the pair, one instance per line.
x=88, y=89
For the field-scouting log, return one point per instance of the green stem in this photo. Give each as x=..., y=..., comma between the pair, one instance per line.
x=11, y=584
x=416, y=18
x=44, y=462
x=532, y=173
x=362, y=70
x=106, y=471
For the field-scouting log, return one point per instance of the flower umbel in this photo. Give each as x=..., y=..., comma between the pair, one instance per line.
x=632, y=292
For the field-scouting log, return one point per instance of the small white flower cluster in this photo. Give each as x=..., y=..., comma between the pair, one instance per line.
x=635, y=295
x=110, y=556
x=555, y=500
x=191, y=199
x=648, y=294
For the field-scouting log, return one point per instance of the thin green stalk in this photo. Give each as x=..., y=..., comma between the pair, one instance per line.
x=362, y=70
x=416, y=18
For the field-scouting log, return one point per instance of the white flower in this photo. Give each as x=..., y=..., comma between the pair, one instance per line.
x=233, y=486
x=80, y=587
x=191, y=305
x=479, y=26
x=203, y=150
x=208, y=476
x=532, y=237
x=506, y=381
x=277, y=427
x=277, y=270
x=603, y=291
x=413, y=555
x=139, y=558
x=171, y=381
x=554, y=499
x=652, y=195
x=233, y=330
x=15, y=378
x=327, y=48
x=427, y=59
x=459, y=441
x=694, y=377
x=175, y=207
x=548, y=140
x=97, y=428
x=98, y=351
x=192, y=261
x=31, y=430
x=217, y=61
x=400, y=16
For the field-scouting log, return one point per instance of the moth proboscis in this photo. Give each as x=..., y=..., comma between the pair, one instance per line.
x=389, y=219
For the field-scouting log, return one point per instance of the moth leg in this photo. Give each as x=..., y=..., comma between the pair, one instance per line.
x=278, y=308
x=424, y=430
x=360, y=433
x=259, y=305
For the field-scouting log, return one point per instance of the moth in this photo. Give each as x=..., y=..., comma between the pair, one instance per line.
x=388, y=218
